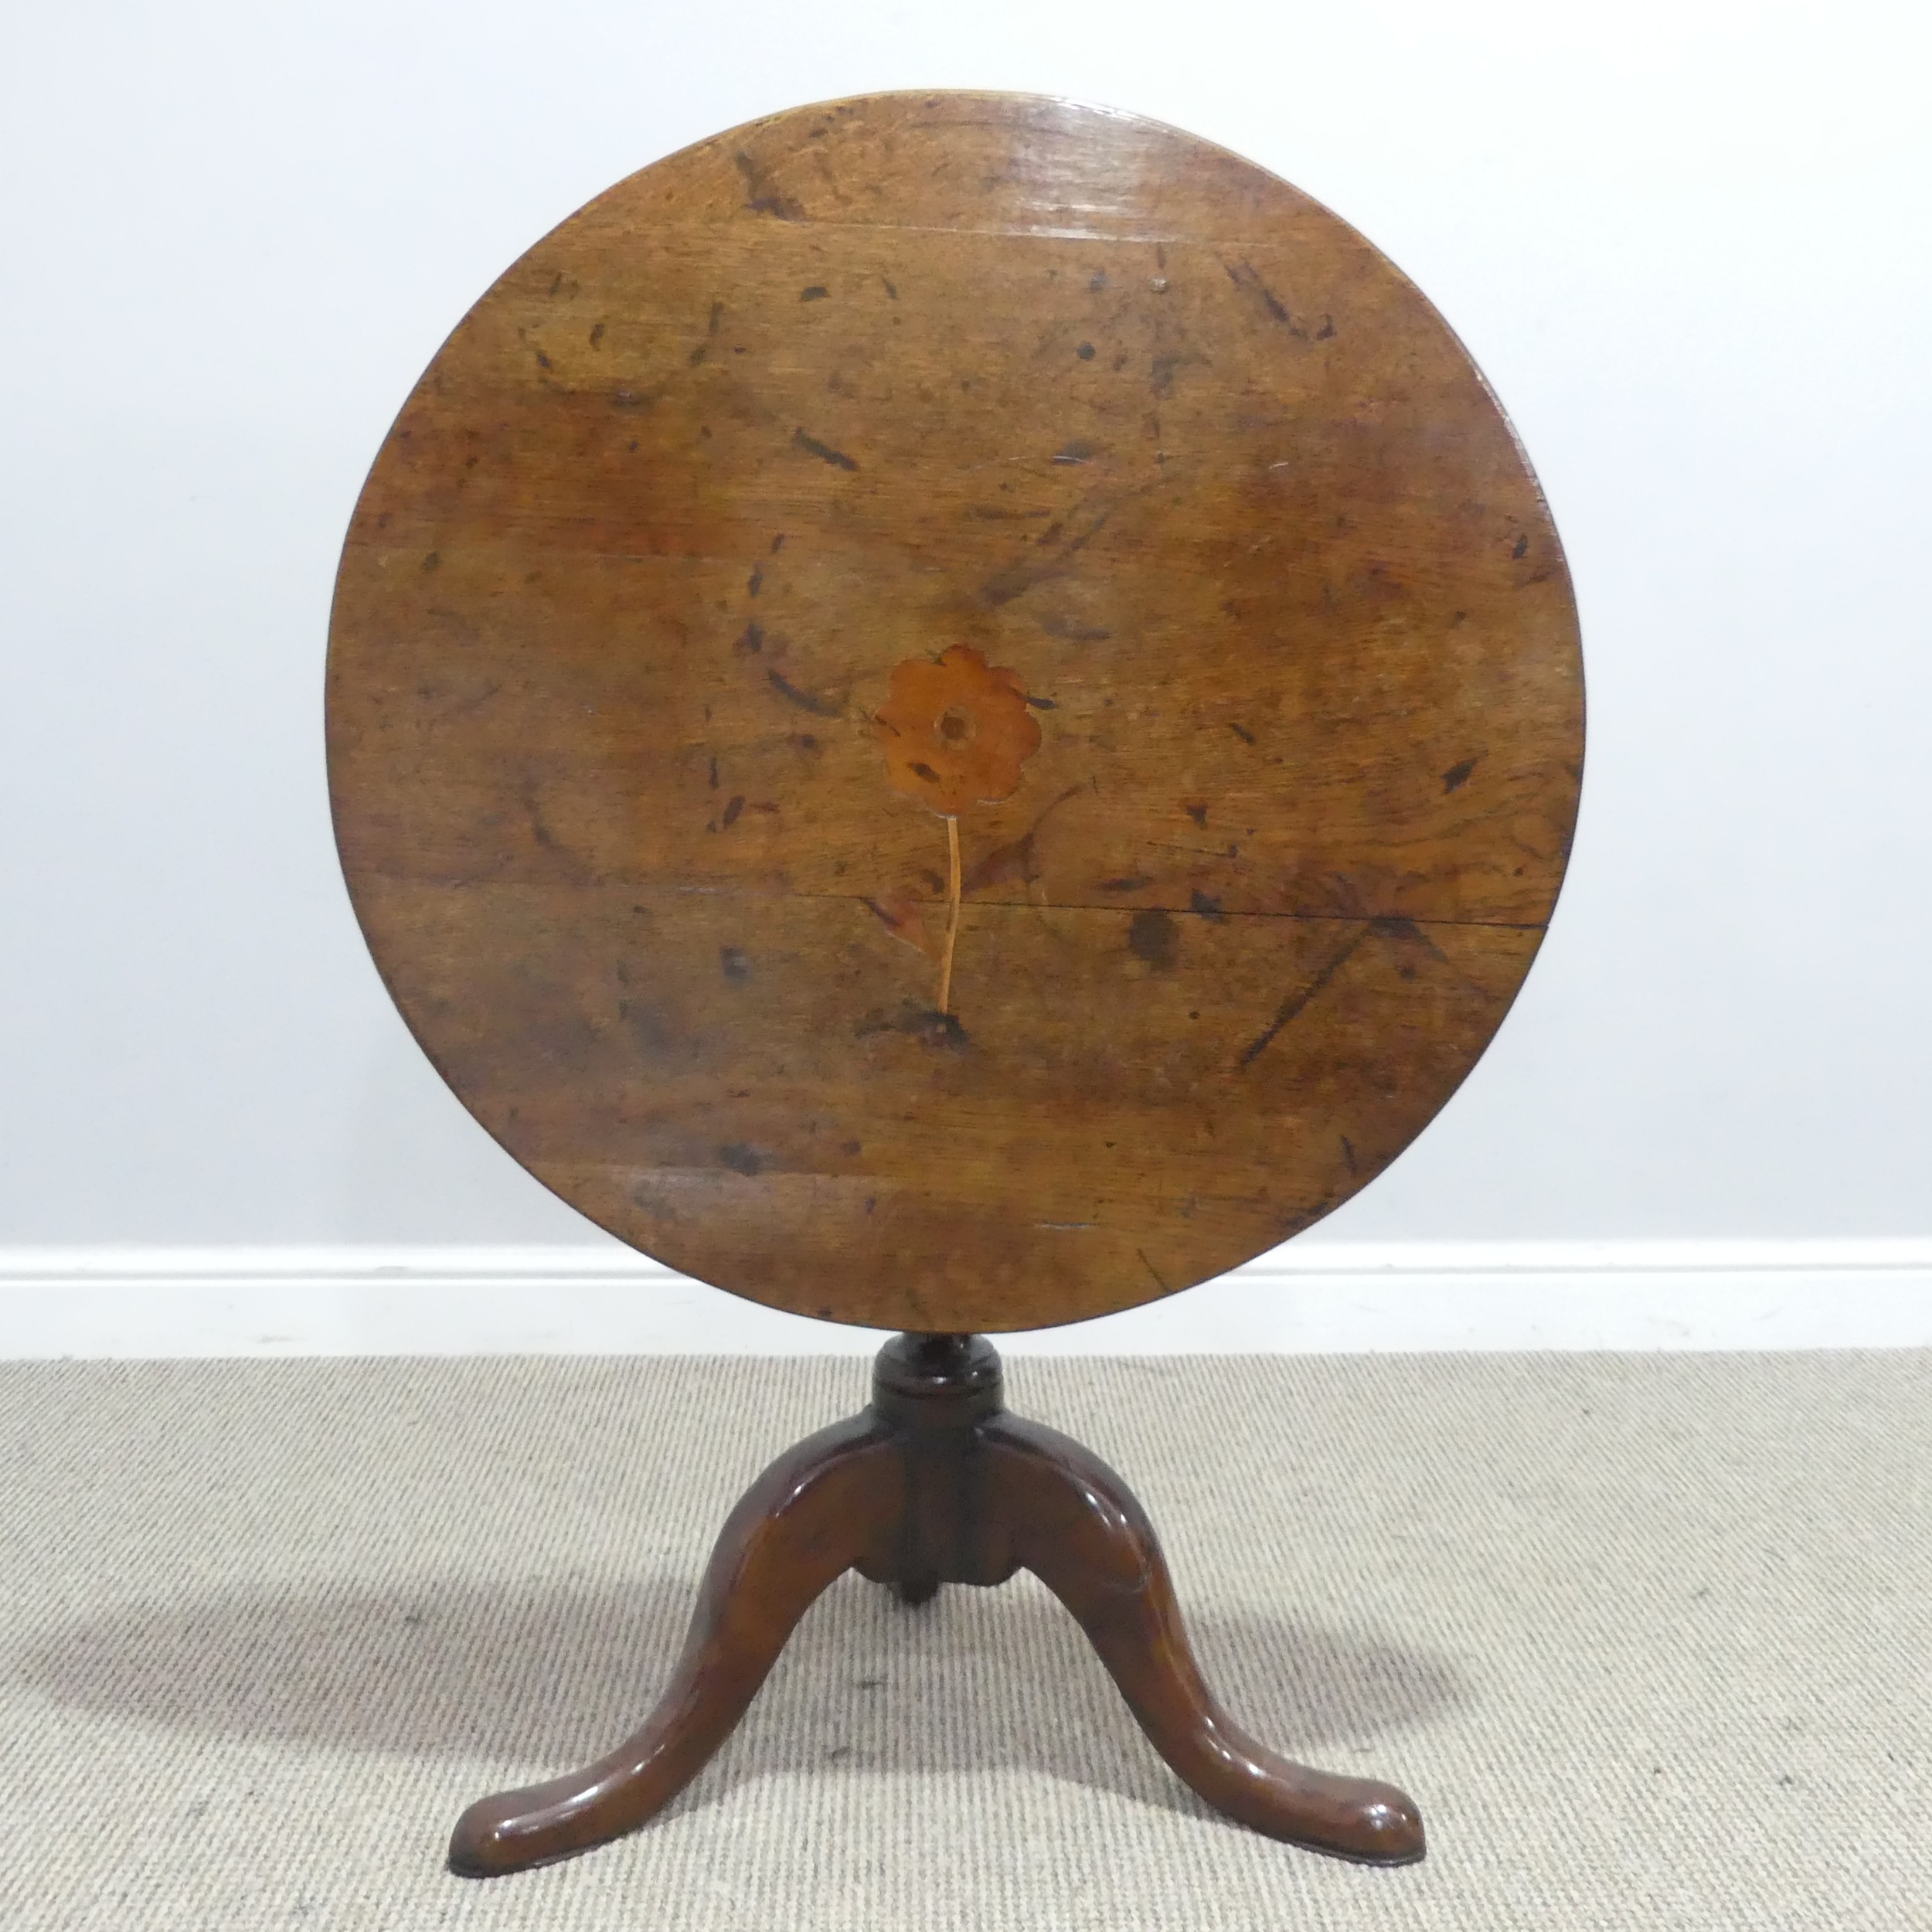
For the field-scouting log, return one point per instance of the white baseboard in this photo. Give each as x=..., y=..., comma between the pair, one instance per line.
x=1308, y=1298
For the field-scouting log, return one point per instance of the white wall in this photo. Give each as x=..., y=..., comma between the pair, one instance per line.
x=1688, y=243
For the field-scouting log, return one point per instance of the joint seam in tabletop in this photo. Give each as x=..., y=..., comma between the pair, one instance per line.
x=1166, y=239
x=1220, y=915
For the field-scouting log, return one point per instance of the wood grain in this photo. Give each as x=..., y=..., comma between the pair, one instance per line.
x=1135, y=421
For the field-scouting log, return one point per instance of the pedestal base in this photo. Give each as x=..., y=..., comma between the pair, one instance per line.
x=935, y=1483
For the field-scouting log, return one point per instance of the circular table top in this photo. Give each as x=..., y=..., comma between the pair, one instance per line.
x=937, y=480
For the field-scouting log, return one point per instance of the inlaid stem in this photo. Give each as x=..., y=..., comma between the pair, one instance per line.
x=952, y=915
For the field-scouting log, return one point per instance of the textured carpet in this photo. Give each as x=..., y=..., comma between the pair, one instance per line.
x=1649, y=1638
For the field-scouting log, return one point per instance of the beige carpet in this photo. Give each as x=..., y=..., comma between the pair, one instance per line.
x=1649, y=1638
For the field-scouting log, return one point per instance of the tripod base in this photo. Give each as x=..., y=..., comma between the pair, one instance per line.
x=935, y=1483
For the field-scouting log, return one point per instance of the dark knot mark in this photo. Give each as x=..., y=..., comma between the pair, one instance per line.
x=1458, y=774
x=1403, y=932
x=567, y=862
x=823, y=451
x=1292, y=1006
x=649, y=1027
x=818, y=707
x=1408, y=939
x=735, y=963
x=744, y=1159
x=1153, y=938
x=1250, y=284
x=916, y=1022
x=762, y=194
x=1163, y=369
x=1052, y=555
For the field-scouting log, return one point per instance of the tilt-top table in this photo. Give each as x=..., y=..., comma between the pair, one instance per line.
x=952, y=712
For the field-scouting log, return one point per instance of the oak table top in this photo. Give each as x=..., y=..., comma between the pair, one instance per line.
x=954, y=712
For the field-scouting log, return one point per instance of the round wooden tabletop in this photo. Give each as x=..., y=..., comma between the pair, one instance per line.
x=954, y=711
